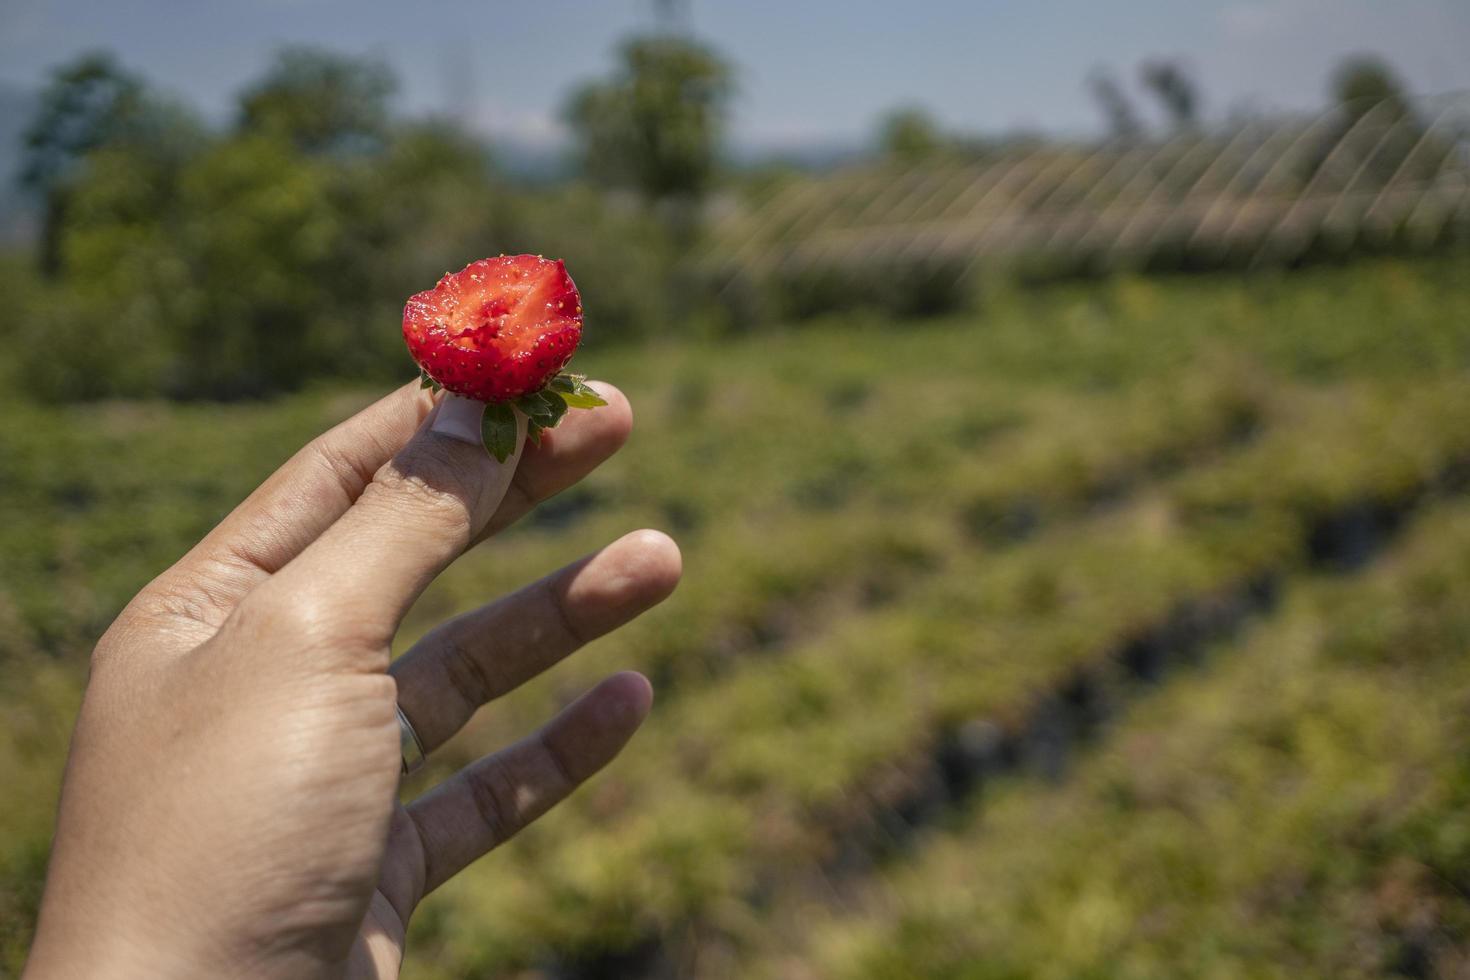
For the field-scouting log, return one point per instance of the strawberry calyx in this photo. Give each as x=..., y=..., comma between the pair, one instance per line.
x=543, y=409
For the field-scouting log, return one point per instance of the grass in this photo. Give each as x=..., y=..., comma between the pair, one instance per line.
x=891, y=529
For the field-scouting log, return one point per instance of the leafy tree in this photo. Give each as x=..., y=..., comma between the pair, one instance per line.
x=1362, y=82
x=1365, y=84
x=89, y=102
x=909, y=135
x=260, y=234
x=1116, y=107
x=657, y=124
x=1175, y=90
x=321, y=101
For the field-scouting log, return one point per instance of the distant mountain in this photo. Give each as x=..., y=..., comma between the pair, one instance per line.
x=806, y=156
x=534, y=162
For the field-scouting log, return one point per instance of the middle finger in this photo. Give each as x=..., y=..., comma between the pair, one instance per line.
x=481, y=655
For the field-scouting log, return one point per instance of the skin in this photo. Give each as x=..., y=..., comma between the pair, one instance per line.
x=230, y=801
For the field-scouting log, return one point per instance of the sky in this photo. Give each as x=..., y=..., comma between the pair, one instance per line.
x=810, y=73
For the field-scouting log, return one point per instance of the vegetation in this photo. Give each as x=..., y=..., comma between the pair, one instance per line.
x=251, y=260
x=657, y=125
x=976, y=533
x=936, y=540
x=1297, y=808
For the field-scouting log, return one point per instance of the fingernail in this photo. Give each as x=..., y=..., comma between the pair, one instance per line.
x=459, y=418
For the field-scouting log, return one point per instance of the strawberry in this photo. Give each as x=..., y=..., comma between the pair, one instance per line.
x=500, y=331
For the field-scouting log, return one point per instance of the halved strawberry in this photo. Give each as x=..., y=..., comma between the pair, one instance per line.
x=498, y=329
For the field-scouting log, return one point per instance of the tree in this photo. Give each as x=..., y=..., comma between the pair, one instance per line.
x=320, y=101
x=1176, y=91
x=657, y=124
x=1365, y=84
x=909, y=135
x=88, y=103
x=1116, y=108
x=1362, y=82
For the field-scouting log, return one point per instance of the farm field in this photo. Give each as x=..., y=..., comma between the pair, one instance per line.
x=1124, y=617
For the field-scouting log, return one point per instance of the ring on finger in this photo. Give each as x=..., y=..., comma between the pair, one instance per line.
x=409, y=745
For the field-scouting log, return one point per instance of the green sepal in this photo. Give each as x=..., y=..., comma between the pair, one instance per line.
x=543, y=410
x=427, y=382
x=575, y=391
x=545, y=406
x=538, y=406
x=499, y=430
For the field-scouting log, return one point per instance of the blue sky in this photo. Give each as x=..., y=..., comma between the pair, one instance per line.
x=810, y=72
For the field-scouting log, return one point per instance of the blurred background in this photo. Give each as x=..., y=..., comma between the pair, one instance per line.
x=1062, y=408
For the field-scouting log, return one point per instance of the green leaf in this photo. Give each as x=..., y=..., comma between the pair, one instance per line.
x=581, y=400
x=575, y=391
x=499, y=430
x=533, y=432
x=537, y=406
x=425, y=381
x=558, y=404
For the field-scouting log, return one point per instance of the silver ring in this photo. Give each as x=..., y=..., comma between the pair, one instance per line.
x=409, y=745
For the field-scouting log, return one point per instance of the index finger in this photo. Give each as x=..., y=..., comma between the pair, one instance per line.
x=322, y=480
x=423, y=508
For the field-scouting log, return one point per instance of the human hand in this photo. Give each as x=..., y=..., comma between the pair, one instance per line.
x=229, y=806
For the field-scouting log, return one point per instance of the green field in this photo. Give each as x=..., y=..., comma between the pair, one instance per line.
x=1112, y=630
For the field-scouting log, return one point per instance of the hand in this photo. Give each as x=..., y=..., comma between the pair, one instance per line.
x=229, y=807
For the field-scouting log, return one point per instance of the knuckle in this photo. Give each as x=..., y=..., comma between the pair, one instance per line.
x=558, y=765
x=574, y=634
x=493, y=792
x=428, y=488
x=474, y=678
x=348, y=470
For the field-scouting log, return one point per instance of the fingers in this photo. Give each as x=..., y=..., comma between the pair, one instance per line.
x=428, y=503
x=421, y=510
x=285, y=514
x=475, y=658
x=317, y=486
x=567, y=453
x=487, y=803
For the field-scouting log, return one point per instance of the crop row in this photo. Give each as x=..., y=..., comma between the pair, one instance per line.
x=814, y=561
x=1298, y=807
x=763, y=782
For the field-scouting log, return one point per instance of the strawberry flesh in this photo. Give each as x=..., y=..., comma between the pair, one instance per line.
x=498, y=329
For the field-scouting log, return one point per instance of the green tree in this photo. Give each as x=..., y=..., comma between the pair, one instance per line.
x=271, y=301
x=321, y=101
x=89, y=102
x=1175, y=90
x=1361, y=82
x=910, y=134
x=1368, y=91
x=657, y=124
x=1115, y=105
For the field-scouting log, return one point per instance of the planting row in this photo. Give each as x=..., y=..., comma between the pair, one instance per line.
x=811, y=565
x=806, y=767
x=1298, y=807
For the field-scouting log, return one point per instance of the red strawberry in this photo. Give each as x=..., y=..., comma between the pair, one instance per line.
x=498, y=329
